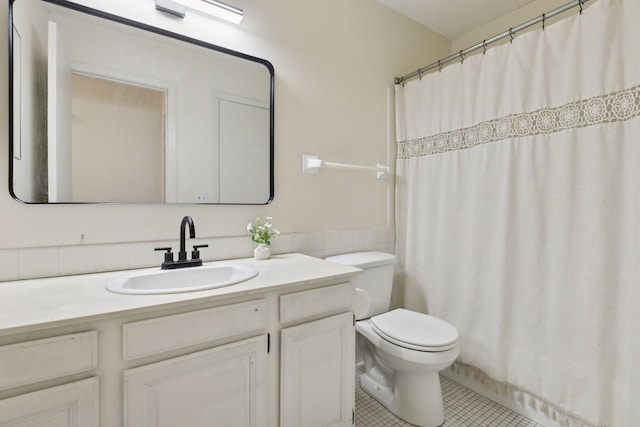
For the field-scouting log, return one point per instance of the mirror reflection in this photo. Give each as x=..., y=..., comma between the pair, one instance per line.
x=105, y=111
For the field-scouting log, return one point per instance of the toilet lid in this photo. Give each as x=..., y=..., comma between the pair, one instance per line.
x=415, y=330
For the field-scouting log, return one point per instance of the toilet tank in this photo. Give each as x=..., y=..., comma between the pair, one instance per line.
x=376, y=277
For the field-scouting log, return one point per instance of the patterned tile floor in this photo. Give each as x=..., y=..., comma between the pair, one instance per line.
x=462, y=408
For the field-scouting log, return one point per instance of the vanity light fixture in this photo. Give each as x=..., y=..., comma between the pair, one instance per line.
x=213, y=8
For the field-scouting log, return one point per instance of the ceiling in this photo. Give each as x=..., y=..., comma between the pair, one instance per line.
x=453, y=18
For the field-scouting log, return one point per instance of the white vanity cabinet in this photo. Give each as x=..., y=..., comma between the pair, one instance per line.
x=26, y=364
x=229, y=384
x=223, y=386
x=277, y=350
x=317, y=358
x=226, y=384
x=71, y=405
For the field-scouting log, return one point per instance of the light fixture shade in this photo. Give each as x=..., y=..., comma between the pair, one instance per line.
x=171, y=7
x=213, y=8
x=224, y=11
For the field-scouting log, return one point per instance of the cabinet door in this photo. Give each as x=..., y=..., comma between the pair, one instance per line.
x=70, y=405
x=223, y=386
x=317, y=373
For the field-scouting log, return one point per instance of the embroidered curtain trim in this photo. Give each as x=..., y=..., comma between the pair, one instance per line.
x=613, y=107
x=523, y=396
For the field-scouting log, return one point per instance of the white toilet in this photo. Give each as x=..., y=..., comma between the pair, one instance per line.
x=403, y=350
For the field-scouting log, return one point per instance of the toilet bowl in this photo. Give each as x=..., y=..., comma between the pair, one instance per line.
x=403, y=375
x=403, y=350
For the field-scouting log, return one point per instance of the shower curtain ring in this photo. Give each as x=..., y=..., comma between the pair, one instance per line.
x=461, y=57
x=511, y=35
x=544, y=17
x=439, y=65
x=580, y=4
x=484, y=47
x=420, y=74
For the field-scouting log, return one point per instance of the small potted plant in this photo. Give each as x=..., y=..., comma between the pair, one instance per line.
x=261, y=233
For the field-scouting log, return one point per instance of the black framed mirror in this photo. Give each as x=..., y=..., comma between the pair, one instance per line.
x=106, y=109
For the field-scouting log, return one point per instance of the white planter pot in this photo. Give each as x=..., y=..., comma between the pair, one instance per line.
x=262, y=251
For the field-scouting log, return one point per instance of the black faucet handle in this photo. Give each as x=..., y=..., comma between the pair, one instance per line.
x=168, y=256
x=195, y=254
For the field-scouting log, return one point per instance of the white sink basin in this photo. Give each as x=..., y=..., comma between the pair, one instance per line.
x=182, y=280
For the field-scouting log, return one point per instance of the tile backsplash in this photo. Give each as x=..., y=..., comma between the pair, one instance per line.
x=31, y=263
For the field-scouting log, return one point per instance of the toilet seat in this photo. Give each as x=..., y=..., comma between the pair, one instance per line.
x=416, y=331
x=415, y=357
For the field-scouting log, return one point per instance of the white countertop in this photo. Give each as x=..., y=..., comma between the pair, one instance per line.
x=42, y=303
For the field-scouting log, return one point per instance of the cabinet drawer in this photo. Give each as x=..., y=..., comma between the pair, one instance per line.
x=167, y=333
x=301, y=305
x=33, y=361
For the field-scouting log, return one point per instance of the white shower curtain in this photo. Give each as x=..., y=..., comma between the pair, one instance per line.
x=518, y=213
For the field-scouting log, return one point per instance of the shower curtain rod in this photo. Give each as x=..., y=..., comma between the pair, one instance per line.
x=509, y=33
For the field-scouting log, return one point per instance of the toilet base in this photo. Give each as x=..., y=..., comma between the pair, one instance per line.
x=406, y=381
x=416, y=398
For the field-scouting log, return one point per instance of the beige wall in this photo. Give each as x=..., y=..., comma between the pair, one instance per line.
x=334, y=61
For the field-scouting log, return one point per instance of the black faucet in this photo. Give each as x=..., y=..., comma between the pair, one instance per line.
x=183, y=262
x=182, y=255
